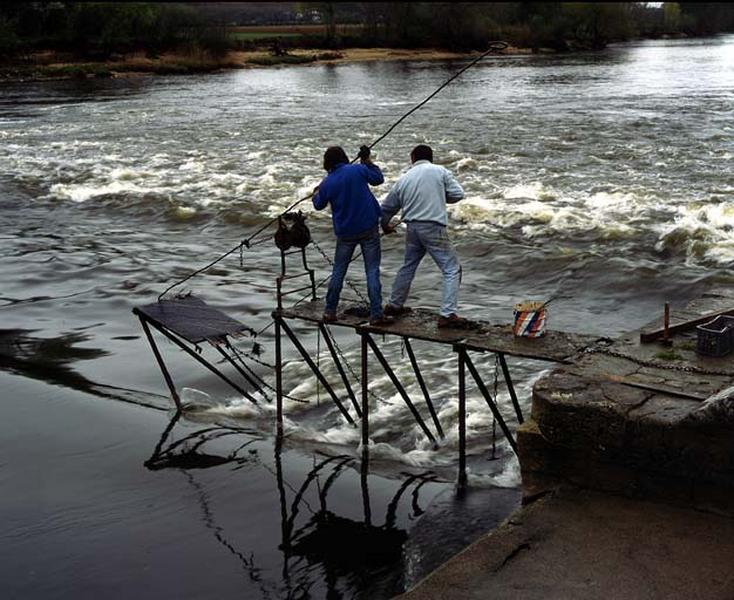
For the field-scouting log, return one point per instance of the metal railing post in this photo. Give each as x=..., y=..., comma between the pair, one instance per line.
x=462, y=414
x=365, y=394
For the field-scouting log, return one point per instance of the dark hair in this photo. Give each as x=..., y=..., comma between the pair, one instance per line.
x=421, y=152
x=334, y=156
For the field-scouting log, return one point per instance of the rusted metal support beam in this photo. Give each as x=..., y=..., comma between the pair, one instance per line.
x=490, y=401
x=399, y=386
x=422, y=384
x=316, y=371
x=161, y=364
x=246, y=376
x=200, y=360
x=462, y=414
x=345, y=380
x=510, y=387
x=365, y=395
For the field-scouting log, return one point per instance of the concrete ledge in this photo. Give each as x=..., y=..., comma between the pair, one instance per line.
x=546, y=466
x=581, y=544
x=632, y=428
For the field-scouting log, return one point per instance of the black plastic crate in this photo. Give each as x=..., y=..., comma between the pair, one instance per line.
x=716, y=337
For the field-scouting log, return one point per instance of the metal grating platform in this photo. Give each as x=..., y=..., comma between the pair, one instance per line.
x=192, y=319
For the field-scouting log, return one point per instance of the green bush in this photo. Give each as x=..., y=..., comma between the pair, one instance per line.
x=9, y=42
x=288, y=59
x=98, y=29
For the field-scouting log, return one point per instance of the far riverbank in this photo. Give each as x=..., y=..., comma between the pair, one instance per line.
x=52, y=66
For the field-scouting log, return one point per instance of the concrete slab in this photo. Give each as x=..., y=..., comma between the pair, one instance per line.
x=622, y=418
x=630, y=479
x=582, y=544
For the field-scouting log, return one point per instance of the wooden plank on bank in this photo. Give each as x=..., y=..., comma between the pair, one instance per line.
x=655, y=334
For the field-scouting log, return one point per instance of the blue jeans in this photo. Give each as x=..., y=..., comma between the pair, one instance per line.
x=369, y=242
x=424, y=236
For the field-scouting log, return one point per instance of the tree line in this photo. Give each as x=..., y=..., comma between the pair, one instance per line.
x=557, y=25
x=99, y=29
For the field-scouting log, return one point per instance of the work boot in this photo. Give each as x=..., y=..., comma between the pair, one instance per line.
x=394, y=311
x=382, y=321
x=329, y=317
x=454, y=321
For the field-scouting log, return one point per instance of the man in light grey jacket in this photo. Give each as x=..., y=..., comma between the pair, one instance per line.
x=422, y=194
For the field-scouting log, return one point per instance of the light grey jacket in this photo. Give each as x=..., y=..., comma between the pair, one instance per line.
x=422, y=193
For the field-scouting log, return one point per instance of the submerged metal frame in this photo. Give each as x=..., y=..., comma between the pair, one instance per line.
x=367, y=345
x=398, y=386
x=361, y=406
x=147, y=322
x=424, y=388
x=464, y=363
x=345, y=380
x=281, y=325
x=332, y=467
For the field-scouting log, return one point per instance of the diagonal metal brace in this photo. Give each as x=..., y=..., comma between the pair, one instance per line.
x=315, y=369
x=399, y=386
x=510, y=387
x=242, y=372
x=490, y=401
x=330, y=345
x=199, y=359
x=423, y=387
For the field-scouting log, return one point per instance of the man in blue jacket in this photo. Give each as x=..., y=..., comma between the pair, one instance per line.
x=356, y=216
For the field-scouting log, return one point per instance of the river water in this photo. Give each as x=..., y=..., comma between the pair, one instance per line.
x=603, y=178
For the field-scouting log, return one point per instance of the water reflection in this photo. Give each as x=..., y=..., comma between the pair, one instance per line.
x=51, y=360
x=326, y=549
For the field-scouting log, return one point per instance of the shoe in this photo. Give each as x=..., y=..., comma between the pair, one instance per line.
x=454, y=321
x=329, y=317
x=393, y=311
x=382, y=321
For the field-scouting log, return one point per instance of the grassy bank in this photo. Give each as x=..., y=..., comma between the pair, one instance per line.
x=52, y=66
x=48, y=65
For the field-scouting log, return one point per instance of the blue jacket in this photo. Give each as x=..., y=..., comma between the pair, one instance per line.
x=354, y=209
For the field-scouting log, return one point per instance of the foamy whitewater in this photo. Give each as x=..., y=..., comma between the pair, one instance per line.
x=605, y=180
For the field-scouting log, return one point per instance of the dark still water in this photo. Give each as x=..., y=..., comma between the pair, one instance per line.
x=604, y=177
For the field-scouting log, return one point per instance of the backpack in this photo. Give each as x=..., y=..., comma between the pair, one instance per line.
x=292, y=231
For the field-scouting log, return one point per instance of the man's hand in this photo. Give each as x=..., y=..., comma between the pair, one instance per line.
x=388, y=229
x=364, y=153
